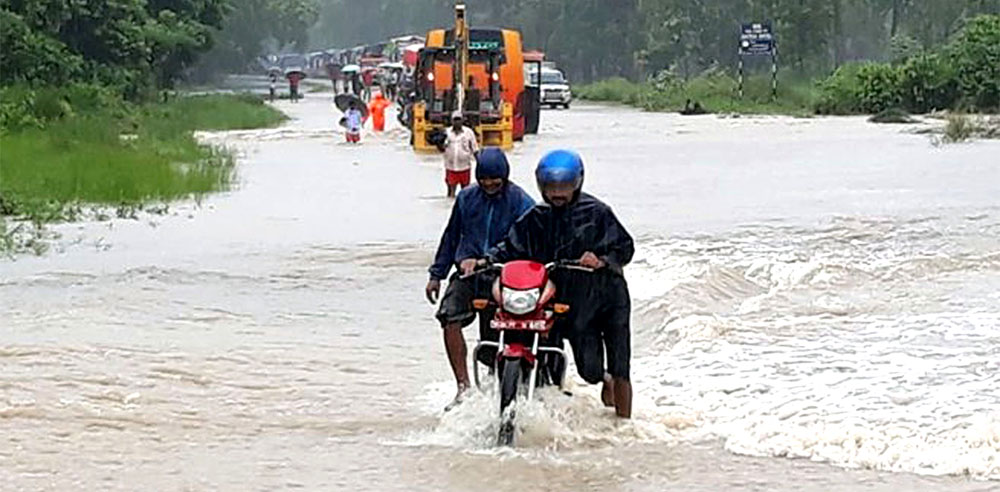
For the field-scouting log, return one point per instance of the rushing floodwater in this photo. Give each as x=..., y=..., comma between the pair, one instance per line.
x=817, y=307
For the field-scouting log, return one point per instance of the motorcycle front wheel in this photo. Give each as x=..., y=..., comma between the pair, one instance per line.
x=510, y=379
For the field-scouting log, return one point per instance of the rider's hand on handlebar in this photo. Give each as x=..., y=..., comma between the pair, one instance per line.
x=590, y=260
x=432, y=290
x=468, y=265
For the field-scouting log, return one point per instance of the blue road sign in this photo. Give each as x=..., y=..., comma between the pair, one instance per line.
x=757, y=39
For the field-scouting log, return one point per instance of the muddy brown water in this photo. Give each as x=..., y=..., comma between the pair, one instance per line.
x=816, y=308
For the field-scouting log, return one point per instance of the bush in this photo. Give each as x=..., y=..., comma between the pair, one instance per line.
x=51, y=105
x=17, y=110
x=615, y=89
x=22, y=107
x=868, y=88
x=839, y=93
x=878, y=87
x=976, y=54
x=966, y=73
x=91, y=98
x=928, y=82
x=714, y=91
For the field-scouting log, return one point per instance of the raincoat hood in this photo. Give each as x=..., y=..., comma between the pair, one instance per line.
x=492, y=163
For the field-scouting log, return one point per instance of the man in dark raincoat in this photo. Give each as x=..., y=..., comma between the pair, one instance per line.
x=480, y=218
x=572, y=225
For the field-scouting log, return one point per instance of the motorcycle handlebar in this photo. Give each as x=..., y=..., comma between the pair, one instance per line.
x=565, y=264
x=568, y=265
x=483, y=268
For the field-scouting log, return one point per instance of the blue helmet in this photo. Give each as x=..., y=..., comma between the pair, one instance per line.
x=492, y=163
x=560, y=166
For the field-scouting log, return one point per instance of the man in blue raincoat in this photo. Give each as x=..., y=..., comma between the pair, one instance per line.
x=480, y=218
x=573, y=225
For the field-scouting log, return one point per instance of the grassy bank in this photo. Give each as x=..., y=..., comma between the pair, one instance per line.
x=120, y=156
x=128, y=155
x=714, y=93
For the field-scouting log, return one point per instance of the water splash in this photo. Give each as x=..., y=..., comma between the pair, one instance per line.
x=867, y=343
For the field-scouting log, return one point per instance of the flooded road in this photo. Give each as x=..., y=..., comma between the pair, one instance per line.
x=816, y=307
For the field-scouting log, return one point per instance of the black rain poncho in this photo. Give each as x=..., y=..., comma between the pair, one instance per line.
x=598, y=319
x=546, y=234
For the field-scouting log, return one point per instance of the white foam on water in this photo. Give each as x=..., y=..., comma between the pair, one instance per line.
x=550, y=423
x=804, y=351
x=866, y=344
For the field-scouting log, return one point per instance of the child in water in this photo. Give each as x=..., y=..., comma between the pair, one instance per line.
x=354, y=121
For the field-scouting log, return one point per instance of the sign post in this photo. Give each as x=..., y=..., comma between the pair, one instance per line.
x=757, y=39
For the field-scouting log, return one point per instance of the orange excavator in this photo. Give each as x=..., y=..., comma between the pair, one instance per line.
x=478, y=71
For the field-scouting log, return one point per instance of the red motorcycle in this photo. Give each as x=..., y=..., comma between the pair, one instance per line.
x=527, y=356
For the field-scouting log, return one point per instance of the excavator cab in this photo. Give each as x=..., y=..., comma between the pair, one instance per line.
x=437, y=91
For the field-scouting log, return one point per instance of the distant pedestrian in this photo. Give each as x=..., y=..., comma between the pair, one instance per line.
x=460, y=149
x=333, y=72
x=392, y=85
x=356, y=85
x=354, y=122
x=368, y=77
x=377, y=110
x=293, y=85
x=273, y=89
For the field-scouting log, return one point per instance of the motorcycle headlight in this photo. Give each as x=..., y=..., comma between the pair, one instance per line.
x=520, y=301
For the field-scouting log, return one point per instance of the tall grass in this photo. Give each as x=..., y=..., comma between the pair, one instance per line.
x=86, y=160
x=715, y=93
x=116, y=158
x=960, y=127
x=615, y=89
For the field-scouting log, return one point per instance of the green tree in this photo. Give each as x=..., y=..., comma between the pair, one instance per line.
x=29, y=55
x=133, y=44
x=177, y=32
x=249, y=27
x=976, y=55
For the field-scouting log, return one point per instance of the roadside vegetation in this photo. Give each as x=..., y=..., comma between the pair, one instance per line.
x=714, y=92
x=964, y=127
x=58, y=156
x=66, y=151
x=88, y=118
x=964, y=75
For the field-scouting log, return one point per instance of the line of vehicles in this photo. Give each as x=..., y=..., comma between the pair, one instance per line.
x=482, y=72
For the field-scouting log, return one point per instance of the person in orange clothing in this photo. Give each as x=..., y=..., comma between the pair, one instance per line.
x=377, y=110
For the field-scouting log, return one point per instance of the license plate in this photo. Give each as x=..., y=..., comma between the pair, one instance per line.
x=519, y=324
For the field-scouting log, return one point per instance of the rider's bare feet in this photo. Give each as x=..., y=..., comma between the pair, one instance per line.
x=463, y=391
x=608, y=391
x=623, y=398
